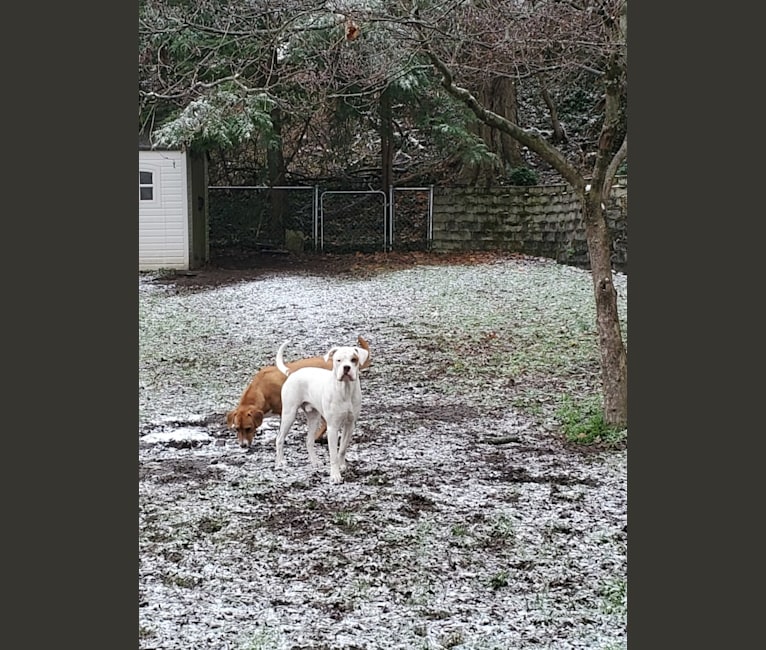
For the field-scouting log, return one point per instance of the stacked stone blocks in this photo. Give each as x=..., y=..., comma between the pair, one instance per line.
x=542, y=220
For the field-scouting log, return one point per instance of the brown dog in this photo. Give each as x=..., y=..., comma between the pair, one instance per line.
x=264, y=395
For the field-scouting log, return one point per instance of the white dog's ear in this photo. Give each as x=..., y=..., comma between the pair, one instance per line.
x=363, y=354
x=330, y=352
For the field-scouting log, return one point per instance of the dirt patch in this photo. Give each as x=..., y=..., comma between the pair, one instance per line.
x=232, y=266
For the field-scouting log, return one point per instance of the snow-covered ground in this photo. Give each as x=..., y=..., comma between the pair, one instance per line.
x=463, y=522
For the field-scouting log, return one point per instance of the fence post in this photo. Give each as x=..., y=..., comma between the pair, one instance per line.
x=390, y=220
x=316, y=217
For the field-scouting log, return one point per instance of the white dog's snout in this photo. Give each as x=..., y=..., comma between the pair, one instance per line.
x=346, y=373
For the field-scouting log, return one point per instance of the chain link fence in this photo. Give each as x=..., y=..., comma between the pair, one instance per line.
x=253, y=218
x=257, y=218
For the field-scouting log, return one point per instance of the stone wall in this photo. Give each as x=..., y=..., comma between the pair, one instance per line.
x=541, y=220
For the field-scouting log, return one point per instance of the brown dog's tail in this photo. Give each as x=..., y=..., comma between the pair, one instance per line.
x=365, y=346
x=280, y=361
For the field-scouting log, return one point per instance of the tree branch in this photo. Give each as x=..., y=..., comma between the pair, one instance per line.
x=529, y=138
x=611, y=170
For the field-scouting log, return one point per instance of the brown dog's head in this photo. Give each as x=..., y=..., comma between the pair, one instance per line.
x=244, y=420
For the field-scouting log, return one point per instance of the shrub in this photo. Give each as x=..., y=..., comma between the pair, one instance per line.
x=622, y=170
x=499, y=580
x=583, y=423
x=523, y=176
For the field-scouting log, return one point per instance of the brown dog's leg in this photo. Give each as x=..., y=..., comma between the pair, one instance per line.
x=321, y=430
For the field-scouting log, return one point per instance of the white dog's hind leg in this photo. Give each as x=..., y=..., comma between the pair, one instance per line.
x=313, y=419
x=288, y=417
x=332, y=445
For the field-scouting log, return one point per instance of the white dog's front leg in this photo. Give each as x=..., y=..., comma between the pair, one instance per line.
x=345, y=438
x=332, y=445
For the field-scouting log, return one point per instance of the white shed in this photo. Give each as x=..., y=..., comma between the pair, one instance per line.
x=172, y=208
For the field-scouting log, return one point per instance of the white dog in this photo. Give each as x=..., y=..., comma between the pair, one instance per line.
x=334, y=395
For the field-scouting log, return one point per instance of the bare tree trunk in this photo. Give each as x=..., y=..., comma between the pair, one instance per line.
x=614, y=357
x=276, y=175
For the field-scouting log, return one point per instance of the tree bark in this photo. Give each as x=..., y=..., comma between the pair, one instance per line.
x=498, y=95
x=613, y=356
x=386, y=142
x=502, y=97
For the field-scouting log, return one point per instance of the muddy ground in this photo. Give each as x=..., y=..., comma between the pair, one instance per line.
x=465, y=520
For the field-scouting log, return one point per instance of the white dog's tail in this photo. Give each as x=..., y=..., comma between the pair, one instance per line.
x=281, y=362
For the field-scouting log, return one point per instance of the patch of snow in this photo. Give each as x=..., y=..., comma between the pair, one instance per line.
x=178, y=435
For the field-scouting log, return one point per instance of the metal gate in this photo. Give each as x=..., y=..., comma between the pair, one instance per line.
x=411, y=225
x=355, y=225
